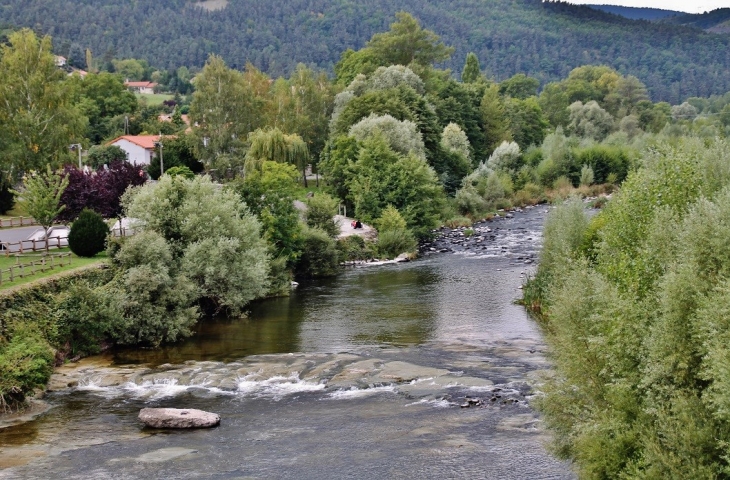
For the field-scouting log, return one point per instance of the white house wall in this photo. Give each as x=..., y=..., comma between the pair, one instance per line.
x=135, y=154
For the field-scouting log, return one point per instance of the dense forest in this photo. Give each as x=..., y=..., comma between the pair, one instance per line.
x=544, y=40
x=638, y=13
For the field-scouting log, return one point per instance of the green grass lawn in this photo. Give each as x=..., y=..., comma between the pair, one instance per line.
x=17, y=211
x=76, y=262
x=154, y=98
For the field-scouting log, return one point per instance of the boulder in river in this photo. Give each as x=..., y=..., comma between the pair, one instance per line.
x=178, y=418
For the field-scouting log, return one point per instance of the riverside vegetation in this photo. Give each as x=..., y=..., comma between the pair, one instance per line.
x=398, y=141
x=635, y=303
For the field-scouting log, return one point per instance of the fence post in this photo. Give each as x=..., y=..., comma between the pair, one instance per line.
x=12, y=277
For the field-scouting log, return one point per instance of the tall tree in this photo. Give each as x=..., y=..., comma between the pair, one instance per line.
x=407, y=43
x=224, y=109
x=37, y=118
x=472, y=71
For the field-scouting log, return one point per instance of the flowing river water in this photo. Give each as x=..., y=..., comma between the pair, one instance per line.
x=367, y=375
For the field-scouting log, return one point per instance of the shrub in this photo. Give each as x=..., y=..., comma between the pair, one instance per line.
x=26, y=363
x=321, y=209
x=354, y=248
x=469, y=202
x=88, y=234
x=390, y=219
x=586, y=176
x=319, y=254
x=183, y=171
x=392, y=243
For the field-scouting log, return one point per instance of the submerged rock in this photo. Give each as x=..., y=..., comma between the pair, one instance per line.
x=178, y=418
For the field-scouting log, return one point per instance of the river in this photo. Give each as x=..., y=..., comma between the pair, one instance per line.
x=367, y=375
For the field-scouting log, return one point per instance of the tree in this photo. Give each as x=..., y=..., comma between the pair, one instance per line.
x=472, y=71
x=212, y=239
x=321, y=209
x=520, y=86
x=224, y=109
x=88, y=234
x=102, y=97
x=76, y=57
x=37, y=118
x=302, y=105
x=41, y=196
x=494, y=118
x=526, y=121
x=100, y=191
x=381, y=177
x=100, y=155
x=407, y=43
x=402, y=136
x=179, y=151
x=270, y=192
x=273, y=145
x=590, y=120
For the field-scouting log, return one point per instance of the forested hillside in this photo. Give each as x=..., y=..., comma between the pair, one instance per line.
x=717, y=21
x=544, y=40
x=637, y=13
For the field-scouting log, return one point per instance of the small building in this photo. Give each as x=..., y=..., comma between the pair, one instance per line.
x=145, y=88
x=140, y=149
x=60, y=61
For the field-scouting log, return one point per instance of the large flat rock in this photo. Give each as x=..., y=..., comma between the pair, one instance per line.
x=178, y=418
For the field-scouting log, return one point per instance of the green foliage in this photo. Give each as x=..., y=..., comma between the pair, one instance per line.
x=37, y=118
x=394, y=237
x=7, y=197
x=269, y=193
x=214, y=241
x=392, y=243
x=636, y=309
x=408, y=43
x=100, y=155
x=88, y=234
x=472, y=71
x=319, y=254
x=42, y=196
x=526, y=121
x=321, y=209
x=402, y=136
x=519, y=86
x=225, y=108
x=178, y=151
x=26, y=363
x=586, y=176
x=390, y=219
x=354, y=248
x=382, y=177
x=184, y=172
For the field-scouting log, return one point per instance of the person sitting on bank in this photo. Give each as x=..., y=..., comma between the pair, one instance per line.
x=358, y=224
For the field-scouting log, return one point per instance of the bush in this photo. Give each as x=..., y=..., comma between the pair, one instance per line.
x=392, y=243
x=184, y=172
x=455, y=222
x=88, y=234
x=354, y=248
x=319, y=254
x=26, y=363
x=321, y=209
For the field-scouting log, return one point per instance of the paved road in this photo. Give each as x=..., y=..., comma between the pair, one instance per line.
x=11, y=235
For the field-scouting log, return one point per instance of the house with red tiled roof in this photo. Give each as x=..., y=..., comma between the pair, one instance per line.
x=140, y=149
x=146, y=88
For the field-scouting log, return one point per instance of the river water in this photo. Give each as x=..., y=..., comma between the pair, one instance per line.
x=362, y=376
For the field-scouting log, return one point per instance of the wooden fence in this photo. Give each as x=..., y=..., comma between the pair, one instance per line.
x=22, y=270
x=33, y=245
x=17, y=222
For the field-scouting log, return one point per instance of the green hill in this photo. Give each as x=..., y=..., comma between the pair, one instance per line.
x=716, y=21
x=637, y=13
x=544, y=40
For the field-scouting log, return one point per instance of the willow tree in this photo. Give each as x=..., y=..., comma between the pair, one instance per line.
x=273, y=145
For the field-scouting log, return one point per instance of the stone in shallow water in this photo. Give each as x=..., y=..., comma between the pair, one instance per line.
x=178, y=418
